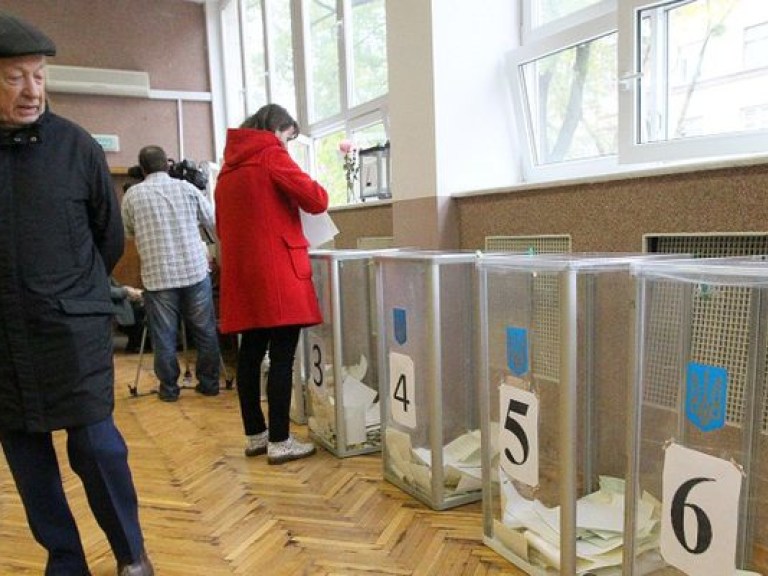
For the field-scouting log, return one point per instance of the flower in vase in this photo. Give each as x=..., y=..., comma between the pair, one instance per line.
x=349, y=150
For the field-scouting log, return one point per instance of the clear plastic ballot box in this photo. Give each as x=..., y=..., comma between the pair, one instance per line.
x=430, y=428
x=340, y=354
x=699, y=442
x=554, y=370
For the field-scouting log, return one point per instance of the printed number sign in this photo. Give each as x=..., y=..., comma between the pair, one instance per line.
x=402, y=390
x=316, y=364
x=699, y=512
x=518, y=434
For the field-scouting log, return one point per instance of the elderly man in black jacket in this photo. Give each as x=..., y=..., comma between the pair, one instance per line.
x=60, y=236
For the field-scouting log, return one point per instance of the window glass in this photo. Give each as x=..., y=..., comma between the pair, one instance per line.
x=571, y=102
x=282, y=86
x=373, y=135
x=323, y=60
x=329, y=164
x=253, y=50
x=703, y=69
x=368, y=50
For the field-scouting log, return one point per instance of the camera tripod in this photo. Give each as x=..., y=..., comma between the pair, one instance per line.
x=187, y=378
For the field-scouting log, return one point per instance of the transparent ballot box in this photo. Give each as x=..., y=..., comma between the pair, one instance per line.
x=556, y=348
x=699, y=445
x=341, y=368
x=298, y=412
x=430, y=428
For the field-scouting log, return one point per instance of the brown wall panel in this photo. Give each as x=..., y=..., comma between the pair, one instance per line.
x=165, y=38
x=613, y=216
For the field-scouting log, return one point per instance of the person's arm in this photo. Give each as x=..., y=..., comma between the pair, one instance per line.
x=205, y=215
x=293, y=181
x=104, y=213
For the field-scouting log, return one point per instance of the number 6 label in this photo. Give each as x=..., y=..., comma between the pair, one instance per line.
x=699, y=512
x=402, y=392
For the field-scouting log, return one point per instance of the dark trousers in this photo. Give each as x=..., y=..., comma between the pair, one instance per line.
x=281, y=342
x=99, y=456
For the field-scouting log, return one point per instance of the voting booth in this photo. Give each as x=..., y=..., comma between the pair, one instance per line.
x=555, y=366
x=340, y=355
x=699, y=443
x=430, y=428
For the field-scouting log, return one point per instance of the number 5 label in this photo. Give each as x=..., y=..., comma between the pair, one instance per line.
x=518, y=434
x=402, y=391
x=699, y=512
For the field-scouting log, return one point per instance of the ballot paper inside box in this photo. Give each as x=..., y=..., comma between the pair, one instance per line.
x=341, y=368
x=555, y=363
x=430, y=428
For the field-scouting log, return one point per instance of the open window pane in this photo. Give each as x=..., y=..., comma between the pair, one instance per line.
x=704, y=69
x=572, y=102
x=369, y=50
x=546, y=11
x=282, y=86
x=323, y=65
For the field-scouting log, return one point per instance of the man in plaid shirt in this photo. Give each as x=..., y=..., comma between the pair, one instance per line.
x=163, y=214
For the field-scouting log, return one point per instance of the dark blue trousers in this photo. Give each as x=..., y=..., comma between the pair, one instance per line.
x=99, y=456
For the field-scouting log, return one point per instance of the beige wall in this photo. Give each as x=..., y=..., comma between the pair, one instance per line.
x=165, y=38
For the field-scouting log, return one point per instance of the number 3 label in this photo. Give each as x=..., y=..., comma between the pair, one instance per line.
x=316, y=365
x=699, y=512
x=402, y=391
x=518, y=434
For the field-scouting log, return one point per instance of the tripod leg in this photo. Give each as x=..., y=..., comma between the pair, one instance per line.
x=135, y=389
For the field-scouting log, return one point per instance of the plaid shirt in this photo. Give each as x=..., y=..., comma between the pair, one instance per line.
x=163, y=214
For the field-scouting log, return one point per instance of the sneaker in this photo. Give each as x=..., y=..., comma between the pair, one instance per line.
x=256, y=443
x=287, y=450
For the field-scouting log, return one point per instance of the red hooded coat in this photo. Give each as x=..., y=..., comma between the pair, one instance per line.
x=266, y=276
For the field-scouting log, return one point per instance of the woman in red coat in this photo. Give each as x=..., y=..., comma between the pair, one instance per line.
x=266, y=290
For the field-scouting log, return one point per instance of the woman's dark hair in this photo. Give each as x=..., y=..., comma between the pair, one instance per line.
x=271, y=118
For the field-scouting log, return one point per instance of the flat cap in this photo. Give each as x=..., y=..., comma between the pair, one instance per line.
x=17, y=38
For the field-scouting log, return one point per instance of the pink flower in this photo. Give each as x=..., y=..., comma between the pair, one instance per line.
x=347, y=146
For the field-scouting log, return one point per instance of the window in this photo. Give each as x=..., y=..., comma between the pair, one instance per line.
x=618, y=83
x=268, y=54
x=325, y=61
x=692, y=64
x=368, y=51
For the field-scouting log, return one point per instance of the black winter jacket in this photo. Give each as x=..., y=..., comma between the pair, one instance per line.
x=60, y=236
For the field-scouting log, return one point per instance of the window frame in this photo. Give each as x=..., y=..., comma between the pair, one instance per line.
x=581, y=26
x=687, y=150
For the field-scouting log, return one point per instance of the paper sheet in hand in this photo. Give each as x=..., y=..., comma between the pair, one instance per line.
x=318, y=228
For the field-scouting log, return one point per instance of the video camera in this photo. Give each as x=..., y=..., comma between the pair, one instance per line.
x=183, y=170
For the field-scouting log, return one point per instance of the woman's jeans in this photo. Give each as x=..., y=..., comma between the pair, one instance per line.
x=166, y=309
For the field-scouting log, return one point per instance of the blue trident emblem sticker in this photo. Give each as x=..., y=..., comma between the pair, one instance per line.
x=517, y=350
x=706, y=390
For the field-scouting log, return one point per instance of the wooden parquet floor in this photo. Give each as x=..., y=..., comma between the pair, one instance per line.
x=208, y=510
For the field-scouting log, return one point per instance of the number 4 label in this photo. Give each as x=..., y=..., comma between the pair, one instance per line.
x=402, y=391
x=699, y=512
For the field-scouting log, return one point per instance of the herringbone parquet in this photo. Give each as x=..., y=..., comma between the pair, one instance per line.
x=208, y=510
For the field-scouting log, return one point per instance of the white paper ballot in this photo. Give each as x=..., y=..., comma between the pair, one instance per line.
x=318, y=228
